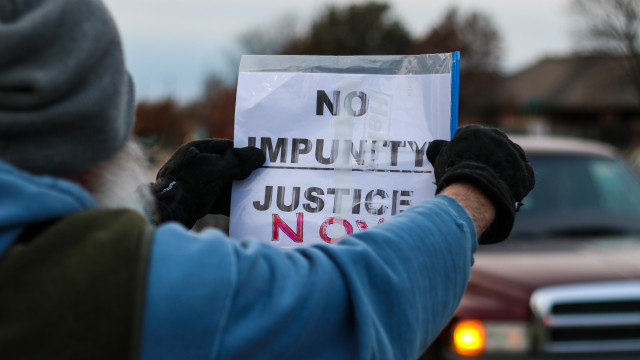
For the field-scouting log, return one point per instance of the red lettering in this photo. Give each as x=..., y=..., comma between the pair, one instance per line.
x=362, y=225
x=279, y=224
x=332, y=220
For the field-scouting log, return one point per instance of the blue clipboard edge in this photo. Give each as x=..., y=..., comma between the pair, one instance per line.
x=455, y=88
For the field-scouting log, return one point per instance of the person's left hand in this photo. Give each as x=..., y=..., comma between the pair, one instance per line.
x=487, y=159
x=196, y=180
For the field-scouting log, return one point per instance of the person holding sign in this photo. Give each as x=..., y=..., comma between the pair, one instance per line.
x=83, y=274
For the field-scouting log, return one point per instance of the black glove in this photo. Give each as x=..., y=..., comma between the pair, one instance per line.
x=487, y=159
x=196, y=180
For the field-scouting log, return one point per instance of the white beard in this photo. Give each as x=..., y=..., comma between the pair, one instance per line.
x=116, y=183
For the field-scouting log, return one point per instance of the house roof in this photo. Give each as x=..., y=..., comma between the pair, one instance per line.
x=571, y=83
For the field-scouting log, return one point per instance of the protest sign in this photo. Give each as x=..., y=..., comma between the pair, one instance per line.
x=345, y=140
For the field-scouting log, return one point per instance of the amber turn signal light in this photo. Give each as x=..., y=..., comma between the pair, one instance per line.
x=469, y=337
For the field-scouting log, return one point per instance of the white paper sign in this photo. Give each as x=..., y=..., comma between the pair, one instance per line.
x=345, y=151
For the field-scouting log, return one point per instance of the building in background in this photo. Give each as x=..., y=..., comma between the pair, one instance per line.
x=586, y=96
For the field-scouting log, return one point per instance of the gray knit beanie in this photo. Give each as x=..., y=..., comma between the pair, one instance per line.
x=66, y=99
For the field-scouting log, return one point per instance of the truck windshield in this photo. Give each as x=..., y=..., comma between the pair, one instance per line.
x=580, y=195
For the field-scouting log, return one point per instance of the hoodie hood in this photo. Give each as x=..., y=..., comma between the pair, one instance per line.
x=28, y=198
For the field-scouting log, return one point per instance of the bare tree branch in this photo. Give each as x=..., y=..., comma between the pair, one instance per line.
x=612, y=27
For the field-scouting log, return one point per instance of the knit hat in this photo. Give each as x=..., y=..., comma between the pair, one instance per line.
x=66, y=99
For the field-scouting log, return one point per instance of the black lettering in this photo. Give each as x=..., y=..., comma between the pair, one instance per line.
x=377, y=210
x=355, y=207
x=398, y=201
x=420, y=151
x=299, y=146
x=374, y=146
x=280, y=149
x=394, y=201
x=323, y=99
x=407, y=193
x=295, y=199
x=394, y=150
x=348, y=103
x=310, y=195
x=320, y=151
x=268, y=191
x=358, y=156
x=337, y=199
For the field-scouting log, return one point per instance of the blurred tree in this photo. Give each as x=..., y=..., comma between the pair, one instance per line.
x=219, y=114
x=370, y=29
x=362, y=29
x=357, y=29
x=216, y=108
x=473, y=34
x=476, y=37
x=160, y=123
x=611, y=27
x=161, y=127
x=214, y=84
x=269, y=39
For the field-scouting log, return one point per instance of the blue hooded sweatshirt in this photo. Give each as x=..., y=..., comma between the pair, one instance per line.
x=380, y=294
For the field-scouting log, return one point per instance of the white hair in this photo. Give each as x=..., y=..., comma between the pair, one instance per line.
x=121, y=181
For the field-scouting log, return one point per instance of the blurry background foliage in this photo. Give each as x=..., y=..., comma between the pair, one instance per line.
x=604, y=30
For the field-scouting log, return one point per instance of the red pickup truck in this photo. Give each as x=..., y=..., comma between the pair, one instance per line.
x=566, y=284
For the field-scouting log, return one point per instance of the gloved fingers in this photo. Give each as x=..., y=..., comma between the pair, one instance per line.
x=234, y=164
x=237, y=164
x=489, y=160
x=517, y=148
x=212, y=146
x=201, y=172
x=250, y=158
x=434, y=149
x=179, y=160
x=530, y=175
x=488, y=136
x=222, y=204
x=530, y=180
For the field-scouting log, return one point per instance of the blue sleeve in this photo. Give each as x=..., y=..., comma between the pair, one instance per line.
x=383, y=293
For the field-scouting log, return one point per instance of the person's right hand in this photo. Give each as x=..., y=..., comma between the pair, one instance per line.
x=196, y=180
x=487, y=159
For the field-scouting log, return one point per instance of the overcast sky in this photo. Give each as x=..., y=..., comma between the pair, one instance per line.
x=171, y=45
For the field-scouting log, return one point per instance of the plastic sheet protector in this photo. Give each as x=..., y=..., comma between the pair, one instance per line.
x=345, y=140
